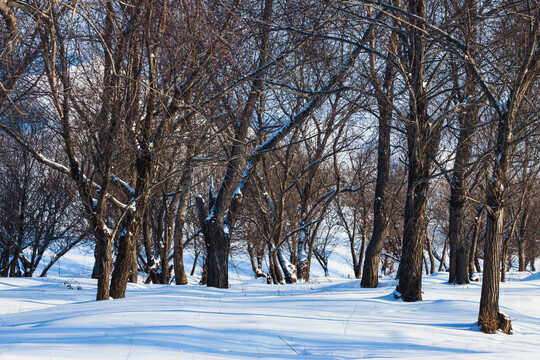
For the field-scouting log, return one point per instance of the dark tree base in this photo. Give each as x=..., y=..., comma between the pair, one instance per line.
x=493, y=325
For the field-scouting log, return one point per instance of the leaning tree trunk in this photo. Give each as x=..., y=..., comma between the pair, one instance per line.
x=370, y=274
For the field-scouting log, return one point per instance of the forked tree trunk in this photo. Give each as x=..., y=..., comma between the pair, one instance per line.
x=288, y=268
x=275, y=272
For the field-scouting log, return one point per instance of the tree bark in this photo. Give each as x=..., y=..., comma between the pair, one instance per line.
x=459, y=254
x=422, y=142
x=370, y=274
x=474, y=243
x=104, y=268
x=217, y=243
x=522, y=240
x=489, y=317
x=181, y=211
x=430, y=253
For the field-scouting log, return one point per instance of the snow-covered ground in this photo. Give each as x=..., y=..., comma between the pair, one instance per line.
x=329, y=318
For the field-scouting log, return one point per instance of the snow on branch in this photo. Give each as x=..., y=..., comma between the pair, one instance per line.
x=296, y=120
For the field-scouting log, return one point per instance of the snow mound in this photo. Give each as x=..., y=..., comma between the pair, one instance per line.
x=533, y=276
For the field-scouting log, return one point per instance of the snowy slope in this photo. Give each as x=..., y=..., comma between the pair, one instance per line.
x=326, y=319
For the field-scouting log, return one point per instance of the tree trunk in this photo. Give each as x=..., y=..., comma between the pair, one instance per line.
x=97, y=264
x=150, y=259
x=361, y=255
x=459, y=254
x=443, y=256
x=134, y=274
x=355, y=264
x=489, y=317
x=302, y=266
x=275, y=272
x=217, y=255
x=217, y=240
x=195, y=259
x=474, y=242
x=370, y=274
x=252, y=258
x=430, y=253
x=504, y=256
x=104, y=268
x=422, y=142
x=523, y=239
x=122, y=266
x=287, y=267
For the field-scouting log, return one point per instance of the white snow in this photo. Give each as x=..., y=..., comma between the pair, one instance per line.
x=329, y=318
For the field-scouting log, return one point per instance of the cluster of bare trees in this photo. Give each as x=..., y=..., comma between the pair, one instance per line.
x=149, y=126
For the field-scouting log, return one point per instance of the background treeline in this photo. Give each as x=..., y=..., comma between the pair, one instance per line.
x=145, y=127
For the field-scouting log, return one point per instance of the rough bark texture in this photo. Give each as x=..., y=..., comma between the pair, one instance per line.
x=217, y=248
x=489, y=316
x=422, y=142
x=459, y=249
x=459, y=254
x=104, y=269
